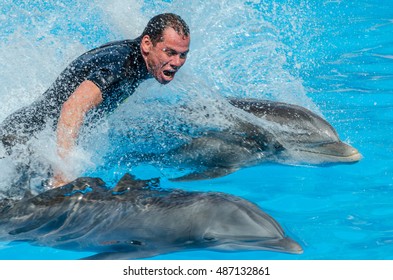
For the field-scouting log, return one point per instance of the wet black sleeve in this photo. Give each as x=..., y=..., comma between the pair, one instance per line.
x=104, y=77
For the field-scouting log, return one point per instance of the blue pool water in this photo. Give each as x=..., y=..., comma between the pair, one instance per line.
x=334, y=57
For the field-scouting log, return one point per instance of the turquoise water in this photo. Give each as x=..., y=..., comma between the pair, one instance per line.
x=334, y=57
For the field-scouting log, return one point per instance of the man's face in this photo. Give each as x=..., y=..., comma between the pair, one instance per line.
x=166, y=57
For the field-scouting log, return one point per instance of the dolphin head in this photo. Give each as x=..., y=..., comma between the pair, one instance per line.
x=311, y=139
x=240, y=225
x=306, y=136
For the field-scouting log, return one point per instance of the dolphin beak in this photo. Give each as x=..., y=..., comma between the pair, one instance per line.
x=343, y=152
x=282, y=245
x=286, y=245
x=334, y=152
x=291, y=246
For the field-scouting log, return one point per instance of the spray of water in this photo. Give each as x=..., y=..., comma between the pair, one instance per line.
x=238, y=48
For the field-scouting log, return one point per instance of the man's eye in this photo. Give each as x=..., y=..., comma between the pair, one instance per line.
x=170, y=52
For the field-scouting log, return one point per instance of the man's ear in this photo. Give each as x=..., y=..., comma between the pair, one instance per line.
x=146, y=44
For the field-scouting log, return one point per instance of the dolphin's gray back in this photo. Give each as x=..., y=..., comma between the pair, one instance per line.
x=289, y=115
x=89, y=214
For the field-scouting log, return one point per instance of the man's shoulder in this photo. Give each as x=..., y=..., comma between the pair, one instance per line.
x=114, y=49
x=121, y=43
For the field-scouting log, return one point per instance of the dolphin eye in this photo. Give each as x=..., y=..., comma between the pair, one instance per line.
x=134, y=242
x=209, y=237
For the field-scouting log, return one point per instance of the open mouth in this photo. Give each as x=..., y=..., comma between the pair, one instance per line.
x=169, y=73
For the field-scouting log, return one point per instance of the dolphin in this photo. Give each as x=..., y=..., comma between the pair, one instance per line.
x=302, y=131
x=277, y=133
x=138, y=219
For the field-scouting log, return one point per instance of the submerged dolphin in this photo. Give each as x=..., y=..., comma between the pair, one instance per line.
x=137, y=219
x=288, y=134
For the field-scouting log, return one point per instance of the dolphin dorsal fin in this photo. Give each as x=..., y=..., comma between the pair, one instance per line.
x=125, y=183
x=128, y=182
x=127, y=178
x=28, y=194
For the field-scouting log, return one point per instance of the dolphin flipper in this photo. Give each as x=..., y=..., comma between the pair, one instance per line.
x=210, y=173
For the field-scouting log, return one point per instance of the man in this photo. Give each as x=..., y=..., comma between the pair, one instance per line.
x=100, y=80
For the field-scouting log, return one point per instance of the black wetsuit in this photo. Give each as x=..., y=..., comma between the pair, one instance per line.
x=117, y=68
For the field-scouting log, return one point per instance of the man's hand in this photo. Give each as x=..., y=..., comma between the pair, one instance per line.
x=58, y=180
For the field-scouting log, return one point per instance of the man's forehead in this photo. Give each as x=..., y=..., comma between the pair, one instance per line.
x=175, y=41
x=170, y=31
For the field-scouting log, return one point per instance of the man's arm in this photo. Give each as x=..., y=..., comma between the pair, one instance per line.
x=84, y=98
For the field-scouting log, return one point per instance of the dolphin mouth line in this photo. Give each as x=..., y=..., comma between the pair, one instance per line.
x=353, y=157
x=282, y=245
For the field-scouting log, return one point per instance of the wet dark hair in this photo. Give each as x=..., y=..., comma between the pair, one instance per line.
x=156, y=26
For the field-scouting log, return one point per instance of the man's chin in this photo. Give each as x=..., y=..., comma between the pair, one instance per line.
x=164, y=79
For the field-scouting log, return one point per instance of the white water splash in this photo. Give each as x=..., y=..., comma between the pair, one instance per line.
x=237, y=49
